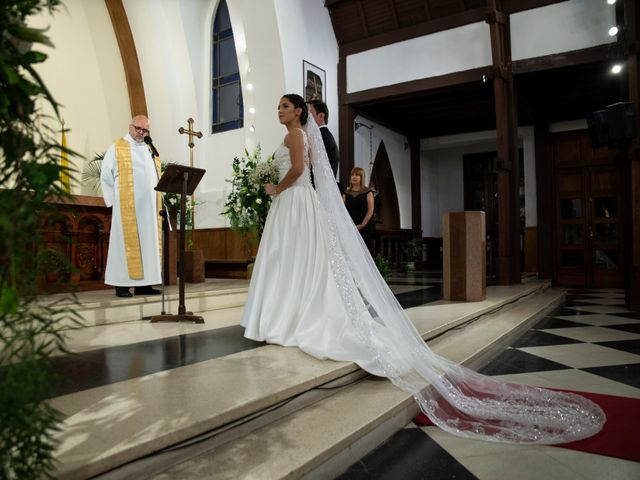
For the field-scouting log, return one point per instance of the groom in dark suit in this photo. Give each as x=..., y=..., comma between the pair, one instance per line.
x=320, y=113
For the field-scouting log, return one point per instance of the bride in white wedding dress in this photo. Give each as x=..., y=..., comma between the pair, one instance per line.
x=315, y=286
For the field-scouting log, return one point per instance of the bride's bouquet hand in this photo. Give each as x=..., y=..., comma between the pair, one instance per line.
x=270, y=189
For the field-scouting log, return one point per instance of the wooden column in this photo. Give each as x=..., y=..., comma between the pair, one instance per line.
x=416, y=185
x=347, y=115
x=632, y=34
x=544, y=198
x=121, y=28
x=508, y=264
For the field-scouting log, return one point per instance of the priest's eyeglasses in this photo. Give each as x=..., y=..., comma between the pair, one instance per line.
x=140, y=129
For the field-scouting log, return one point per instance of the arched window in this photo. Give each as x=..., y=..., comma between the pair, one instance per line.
x=226, y=92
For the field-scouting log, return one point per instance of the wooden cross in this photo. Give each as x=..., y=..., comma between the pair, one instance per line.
x=192, y=133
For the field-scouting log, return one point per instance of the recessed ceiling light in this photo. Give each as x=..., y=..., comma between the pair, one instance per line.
x=613, y=31
x=617, y=68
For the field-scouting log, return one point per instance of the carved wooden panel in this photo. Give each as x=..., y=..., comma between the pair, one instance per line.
x=76, y=236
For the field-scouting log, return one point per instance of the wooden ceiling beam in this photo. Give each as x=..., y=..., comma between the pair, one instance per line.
x=599, y=53
x=129, y=56
x=427, y=10
x=417, y=30
x=363, y=18
x=394, y=13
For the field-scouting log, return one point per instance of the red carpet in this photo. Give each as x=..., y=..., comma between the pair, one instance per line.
x=620, y=436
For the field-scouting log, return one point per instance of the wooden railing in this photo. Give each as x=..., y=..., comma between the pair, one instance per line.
x=392, y=244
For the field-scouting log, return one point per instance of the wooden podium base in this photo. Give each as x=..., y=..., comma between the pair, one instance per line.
x=185, y=317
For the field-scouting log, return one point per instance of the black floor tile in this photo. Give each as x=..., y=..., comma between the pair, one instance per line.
x=536, y=338
x=410, y=454
x=91, y=369
x=626, y=327
x=551, y=322
x=516, y=361
x=634, y=315
x=630, y=346
x=562, y=312
x=627, y=374
x=420, y=297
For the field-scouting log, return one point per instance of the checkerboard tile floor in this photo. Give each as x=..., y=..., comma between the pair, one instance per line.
x=591, y=343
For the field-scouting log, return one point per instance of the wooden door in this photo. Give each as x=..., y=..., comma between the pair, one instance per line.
x=588, y=230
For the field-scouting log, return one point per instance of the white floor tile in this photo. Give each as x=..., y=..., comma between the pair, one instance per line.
x=595, y=467
x=573, y=379
x=593, y=334
x=599, y=319
x=599, y=309
x=530, y=464
x=603, y=295
x=603, y=301
x=583, y=355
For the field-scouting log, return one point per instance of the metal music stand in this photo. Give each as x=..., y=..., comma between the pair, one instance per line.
x=181, y=180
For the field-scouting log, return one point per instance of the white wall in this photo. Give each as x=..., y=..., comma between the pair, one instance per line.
x=453, y=50
x=399, y=158
x=442, y=179
x=173, y=40
x=306, y=33
x=85, y=75
x=561, y=27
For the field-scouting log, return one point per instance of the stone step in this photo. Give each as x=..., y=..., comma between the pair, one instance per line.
x=324, y=439
x=286, y=389
x=102, y=307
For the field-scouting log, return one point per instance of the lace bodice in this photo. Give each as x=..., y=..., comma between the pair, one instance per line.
x=282, y=159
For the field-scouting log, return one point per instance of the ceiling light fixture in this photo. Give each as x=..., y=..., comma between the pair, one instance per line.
x=613, y=31
x=611, y=2
x=617, y=68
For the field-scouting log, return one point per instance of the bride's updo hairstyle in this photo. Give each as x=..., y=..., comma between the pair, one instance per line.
x=298, y=102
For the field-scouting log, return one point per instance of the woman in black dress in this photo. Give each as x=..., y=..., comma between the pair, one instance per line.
x=358, y=199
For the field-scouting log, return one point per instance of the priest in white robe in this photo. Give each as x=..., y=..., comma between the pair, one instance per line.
x=128, y=177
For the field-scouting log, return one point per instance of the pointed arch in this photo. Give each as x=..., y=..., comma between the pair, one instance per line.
x=387, y=214
x=227, y=107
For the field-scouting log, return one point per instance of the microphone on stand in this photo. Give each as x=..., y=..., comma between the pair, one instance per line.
x=149, y=142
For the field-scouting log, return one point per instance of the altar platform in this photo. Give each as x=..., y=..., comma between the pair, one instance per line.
x=178, y=400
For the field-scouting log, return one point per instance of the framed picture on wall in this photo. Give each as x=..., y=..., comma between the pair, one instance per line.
x=314, y=80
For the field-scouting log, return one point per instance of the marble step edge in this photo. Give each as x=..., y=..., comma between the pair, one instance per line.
x=323, y=446
x=248, y=407
x=126, y=311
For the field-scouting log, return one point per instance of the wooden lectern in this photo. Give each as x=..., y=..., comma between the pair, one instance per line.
x=181, y=180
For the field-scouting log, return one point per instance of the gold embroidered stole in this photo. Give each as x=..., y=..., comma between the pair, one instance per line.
x=128, y=210
x=159, y=208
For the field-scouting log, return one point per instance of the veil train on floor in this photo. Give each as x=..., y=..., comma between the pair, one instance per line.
x=454, y=398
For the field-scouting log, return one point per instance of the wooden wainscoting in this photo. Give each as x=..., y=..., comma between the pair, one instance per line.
x=226, y=254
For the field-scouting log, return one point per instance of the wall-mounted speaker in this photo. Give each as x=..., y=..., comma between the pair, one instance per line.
x=614, y=126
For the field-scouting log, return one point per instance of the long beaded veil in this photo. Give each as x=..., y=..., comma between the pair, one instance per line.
x=454, y=398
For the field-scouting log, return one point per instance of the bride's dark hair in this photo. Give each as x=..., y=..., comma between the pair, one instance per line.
x=298, y=102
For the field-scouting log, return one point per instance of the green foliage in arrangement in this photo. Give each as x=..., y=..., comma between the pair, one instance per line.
x=29, y=176
x=248, y=204
x=384, y=267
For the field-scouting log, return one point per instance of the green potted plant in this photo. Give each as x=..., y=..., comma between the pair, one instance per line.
x=33, y=327
x=248, y=204
x=413, y=253
x=384, y=267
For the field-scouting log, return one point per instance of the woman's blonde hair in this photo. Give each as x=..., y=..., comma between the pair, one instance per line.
x=359, y=172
